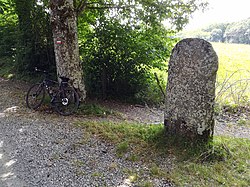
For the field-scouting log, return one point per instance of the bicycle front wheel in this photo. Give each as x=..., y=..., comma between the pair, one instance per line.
x=66, y=101
x=35, y=96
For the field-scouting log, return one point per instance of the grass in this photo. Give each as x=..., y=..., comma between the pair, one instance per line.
x=225, y=161
x=94, y=110
x=229, y=165
x=232, y=57
x=244, y=122
x=136, y=138
x=233, y=77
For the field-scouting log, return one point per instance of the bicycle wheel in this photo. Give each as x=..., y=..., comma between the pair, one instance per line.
x=66, y=101
x=35, y=96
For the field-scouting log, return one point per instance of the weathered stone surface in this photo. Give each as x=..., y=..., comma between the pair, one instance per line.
x=191, y=90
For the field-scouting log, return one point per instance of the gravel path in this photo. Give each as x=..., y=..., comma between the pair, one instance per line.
x=39, y=153
x=47, y=150
x=38, y=150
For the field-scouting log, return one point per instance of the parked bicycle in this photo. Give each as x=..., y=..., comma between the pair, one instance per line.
x=64, y=99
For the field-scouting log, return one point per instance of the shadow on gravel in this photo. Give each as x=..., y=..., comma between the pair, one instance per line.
x=7, y=176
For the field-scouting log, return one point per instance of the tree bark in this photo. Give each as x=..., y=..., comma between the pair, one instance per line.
x=64, y=28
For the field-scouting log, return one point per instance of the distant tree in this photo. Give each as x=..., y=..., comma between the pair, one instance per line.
x=238, y=32
x=247, y=36
x=216, y=31
x=216, y=35
x=195, y=34
x=221, y=26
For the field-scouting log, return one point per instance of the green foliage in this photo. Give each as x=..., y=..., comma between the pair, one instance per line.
x=120, y=41
x=121, y=46
x=152, y=94
x=6, y=67
x=8, y=31
x=25, y=35
x=118, y=58
x=147, y=12
x=35, y=43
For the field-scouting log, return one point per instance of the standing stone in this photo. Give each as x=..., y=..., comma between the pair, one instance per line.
x=190, y=90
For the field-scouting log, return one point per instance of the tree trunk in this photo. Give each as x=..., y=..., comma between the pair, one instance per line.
x=64, y=28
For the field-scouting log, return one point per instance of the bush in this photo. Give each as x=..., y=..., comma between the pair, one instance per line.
x=118, y=60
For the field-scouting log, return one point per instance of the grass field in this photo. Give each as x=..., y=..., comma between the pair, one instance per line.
x=233, y=78
x=232, y=57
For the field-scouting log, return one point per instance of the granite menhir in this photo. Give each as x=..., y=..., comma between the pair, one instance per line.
x=190, y=92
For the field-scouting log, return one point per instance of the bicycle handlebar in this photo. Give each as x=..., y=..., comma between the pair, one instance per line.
x=47, y=74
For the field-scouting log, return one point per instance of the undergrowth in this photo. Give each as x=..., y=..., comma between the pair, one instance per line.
x=6, y=67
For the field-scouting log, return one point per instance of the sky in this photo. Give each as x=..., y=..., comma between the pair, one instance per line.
x=220, y=11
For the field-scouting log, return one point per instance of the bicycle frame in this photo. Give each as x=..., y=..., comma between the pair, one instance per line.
x=64, y=98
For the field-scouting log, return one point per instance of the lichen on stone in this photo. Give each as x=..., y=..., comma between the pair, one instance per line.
x=190, y=89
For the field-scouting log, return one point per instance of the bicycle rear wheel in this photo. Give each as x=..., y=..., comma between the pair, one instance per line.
x=66, y=101
x=35, y=96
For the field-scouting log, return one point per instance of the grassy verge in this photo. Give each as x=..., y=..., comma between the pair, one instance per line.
x=134, y=138
x=94, y=110
x=226, y=161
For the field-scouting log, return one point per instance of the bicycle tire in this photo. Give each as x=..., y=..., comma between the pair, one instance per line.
x=35, y=96
x=66, y=101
